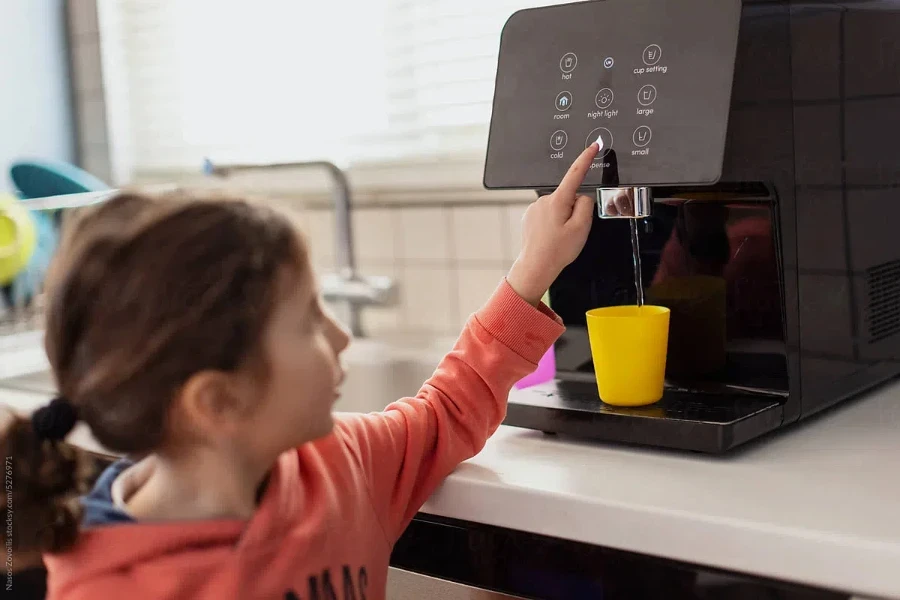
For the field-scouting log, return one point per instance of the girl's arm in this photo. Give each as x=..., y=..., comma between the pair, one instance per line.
x=407, y=450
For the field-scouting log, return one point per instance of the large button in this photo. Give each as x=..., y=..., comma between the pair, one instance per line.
x=563, y=101
x=558, y=140
x=605, y=137
x=652, y=54
x=647, y=95
x=641, y=136
x=568, y=62
x=604, y=98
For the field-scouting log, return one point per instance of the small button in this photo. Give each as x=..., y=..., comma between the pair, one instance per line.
x=606, y=140
x=608, y=62
x=563, y=101
x=558, y=140
x=568, y=62
x=641, y=136
x=647, y=95
x=604, y=98
x=652, y=54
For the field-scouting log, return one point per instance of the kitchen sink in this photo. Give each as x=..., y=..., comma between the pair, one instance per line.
x=377, y=373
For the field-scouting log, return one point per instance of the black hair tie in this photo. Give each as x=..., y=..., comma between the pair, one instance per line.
x=54, y=421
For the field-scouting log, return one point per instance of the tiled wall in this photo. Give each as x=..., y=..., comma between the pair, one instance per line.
x=446, y=256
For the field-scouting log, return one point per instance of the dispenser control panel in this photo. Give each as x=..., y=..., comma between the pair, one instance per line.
x=649, y=79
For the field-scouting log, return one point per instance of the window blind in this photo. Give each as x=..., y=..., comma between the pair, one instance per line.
x=290, y=80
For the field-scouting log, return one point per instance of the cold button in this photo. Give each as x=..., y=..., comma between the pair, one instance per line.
x=641, y=136
x=652, y=54
x=604, y=98
x=563, y=101
x=558, y=140
x=647, y=95
x=568, y=62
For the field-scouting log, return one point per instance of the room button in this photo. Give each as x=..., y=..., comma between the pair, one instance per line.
x=563, y=101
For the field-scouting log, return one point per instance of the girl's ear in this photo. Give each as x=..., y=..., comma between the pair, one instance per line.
x=212, y=404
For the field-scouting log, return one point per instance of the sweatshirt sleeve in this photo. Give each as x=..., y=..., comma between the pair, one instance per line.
x=407, y=450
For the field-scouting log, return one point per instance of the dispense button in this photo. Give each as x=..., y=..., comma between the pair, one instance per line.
x=652, y=54
x=563, y=101
x=558, y=140
x=568, y=62
x=602, y=135
x=641, y=136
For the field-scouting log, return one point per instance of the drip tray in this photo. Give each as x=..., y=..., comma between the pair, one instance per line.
x=681, y=420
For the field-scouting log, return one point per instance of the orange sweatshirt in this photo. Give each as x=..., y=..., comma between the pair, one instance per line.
x=333, y=508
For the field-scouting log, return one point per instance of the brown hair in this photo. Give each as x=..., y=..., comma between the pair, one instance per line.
x=146, y=291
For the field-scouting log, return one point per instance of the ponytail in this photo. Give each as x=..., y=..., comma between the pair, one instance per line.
x=44, y=478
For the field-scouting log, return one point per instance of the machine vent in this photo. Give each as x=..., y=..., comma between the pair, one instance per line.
x=883, y=309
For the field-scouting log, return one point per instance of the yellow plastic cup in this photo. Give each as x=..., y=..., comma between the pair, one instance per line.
x=628, y=345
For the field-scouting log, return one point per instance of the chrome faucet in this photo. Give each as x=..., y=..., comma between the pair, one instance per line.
x=346, y=287
x=625, y=202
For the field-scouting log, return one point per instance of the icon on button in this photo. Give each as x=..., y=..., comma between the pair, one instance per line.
x=608, y=62
x=568, y=62
x=558, y=140
x=647, y=95
x=652, y=54
x=604, y=98
x=604, y=137
x=563, y=101
x=641, y=136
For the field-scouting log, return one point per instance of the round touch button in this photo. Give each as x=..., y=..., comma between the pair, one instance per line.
x=641, y=136
x=568, y=62
x=563, y=101
x=604, y=98
x=604, y=136
x=558, y=140
x=647, y=95
x=652, y=54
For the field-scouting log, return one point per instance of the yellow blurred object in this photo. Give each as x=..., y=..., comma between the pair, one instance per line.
x=628, y=345
x=18, y=238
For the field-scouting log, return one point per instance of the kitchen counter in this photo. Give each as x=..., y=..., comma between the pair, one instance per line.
x=817, y=504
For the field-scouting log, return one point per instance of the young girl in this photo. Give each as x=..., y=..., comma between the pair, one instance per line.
x=189, y=336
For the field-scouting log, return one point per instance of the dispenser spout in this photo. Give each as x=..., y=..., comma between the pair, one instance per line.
x=625, y=202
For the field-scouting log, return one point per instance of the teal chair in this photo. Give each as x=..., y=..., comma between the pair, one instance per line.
x=40, y=178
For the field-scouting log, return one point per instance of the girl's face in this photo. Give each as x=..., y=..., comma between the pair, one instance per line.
x=302, y=346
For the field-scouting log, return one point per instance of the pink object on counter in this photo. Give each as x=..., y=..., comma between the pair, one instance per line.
x=546, y=370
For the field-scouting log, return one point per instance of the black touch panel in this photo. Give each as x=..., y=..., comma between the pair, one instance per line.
x=651, y=78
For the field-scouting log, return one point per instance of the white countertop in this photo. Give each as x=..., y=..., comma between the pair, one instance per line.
x=818, y=504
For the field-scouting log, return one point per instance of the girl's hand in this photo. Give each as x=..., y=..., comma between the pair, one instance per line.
x=554, y=230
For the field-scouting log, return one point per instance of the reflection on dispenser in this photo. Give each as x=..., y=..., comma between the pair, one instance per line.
x=629, y=203
x=696, y=324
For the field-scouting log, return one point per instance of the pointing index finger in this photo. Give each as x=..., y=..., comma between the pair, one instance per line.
x=577, y=172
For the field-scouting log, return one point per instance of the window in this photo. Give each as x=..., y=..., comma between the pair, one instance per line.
x=287, y=80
